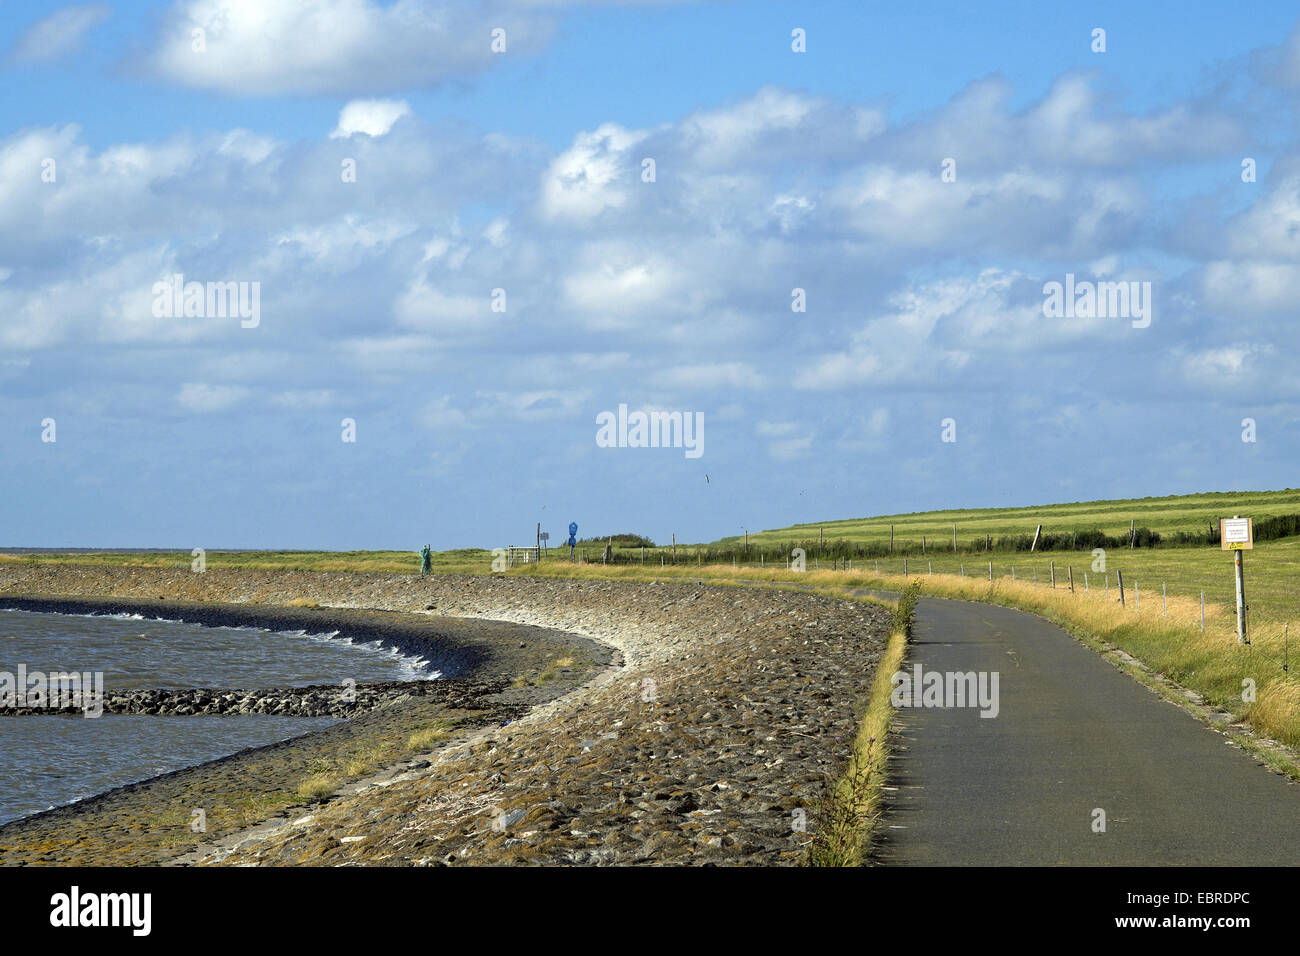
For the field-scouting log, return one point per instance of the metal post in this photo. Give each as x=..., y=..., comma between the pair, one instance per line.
x=1241, y=597
x=990, y=570
x=1053, y=571
x=1120, y=575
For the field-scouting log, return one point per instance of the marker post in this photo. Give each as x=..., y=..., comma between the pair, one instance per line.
x=1238, y=535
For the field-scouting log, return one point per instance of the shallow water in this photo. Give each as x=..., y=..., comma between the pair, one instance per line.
x=136, y=653
x=50, y=760
x=47, y=761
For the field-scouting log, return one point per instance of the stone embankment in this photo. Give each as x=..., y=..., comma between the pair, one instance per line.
x=706, y=736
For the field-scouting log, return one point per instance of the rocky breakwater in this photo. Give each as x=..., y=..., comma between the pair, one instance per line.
x=319, y=700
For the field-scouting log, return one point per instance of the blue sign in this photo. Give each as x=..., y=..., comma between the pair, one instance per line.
x=573, y=528
x=572, y=541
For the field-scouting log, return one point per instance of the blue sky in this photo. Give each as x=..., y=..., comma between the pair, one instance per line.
x=522, y=171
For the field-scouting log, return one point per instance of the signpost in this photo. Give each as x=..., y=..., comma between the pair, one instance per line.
x=1238, y=535
x=573, y=540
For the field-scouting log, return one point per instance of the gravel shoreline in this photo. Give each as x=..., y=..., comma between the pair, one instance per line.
x=706, y=738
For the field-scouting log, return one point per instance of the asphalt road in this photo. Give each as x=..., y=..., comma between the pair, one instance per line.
x=1072, y=735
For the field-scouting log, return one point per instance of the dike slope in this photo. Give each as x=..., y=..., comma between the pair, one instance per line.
x=716, y=715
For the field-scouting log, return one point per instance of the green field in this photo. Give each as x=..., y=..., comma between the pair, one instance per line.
x=1272, y=568
x=1189, y=513
x=1272, y=574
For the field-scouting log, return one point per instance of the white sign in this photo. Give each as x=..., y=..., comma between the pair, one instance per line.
x=1235, y=534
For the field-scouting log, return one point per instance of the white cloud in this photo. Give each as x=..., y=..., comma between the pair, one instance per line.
x=617, y=280
x=58, y=34
x=1250, y=289
x=372, y=117
x=595, y=174
x=338, y=46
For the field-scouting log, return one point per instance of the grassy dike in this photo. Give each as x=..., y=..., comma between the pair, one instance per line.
x=851, y=807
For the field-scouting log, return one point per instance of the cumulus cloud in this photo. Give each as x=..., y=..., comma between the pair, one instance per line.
x=684, y=282
x=372, y=117
x=595, y=174
x=339, y=46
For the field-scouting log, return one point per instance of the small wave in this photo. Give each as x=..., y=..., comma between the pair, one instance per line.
x=413, y=666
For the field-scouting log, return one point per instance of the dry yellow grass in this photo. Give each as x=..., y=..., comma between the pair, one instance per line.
x=423, y=740
x=317, y=786
x=858, y=791
x=1166, y=636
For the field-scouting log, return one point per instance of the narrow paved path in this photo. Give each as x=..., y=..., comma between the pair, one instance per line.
x=1072, y=734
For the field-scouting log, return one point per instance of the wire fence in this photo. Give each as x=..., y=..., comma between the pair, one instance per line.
x=1144, y=590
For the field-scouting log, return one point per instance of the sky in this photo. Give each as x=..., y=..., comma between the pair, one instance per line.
x=470, y=232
